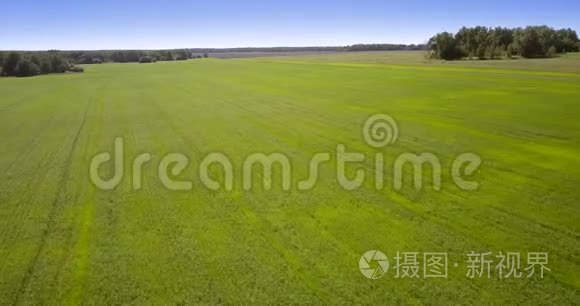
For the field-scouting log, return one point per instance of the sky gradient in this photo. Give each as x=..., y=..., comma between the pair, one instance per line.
x=109, y=24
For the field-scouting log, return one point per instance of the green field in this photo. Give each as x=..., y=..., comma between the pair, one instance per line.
x=567, y=63
x=65, y=241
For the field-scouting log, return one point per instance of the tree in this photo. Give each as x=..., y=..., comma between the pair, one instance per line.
x=27, y=68
x=58, y=64
x=510, y=51
x=35, y=60
x=530, y=45
x=33, y=63
x=10, y=63
x=167, y=56
x=566, y=41
x=466, y=40
x=500, y=37
x=481, y=50
x=493, y=52
x=551, y=52
x=445, y=46
x=147, y=59
x=183, y=55
x=76, y=69
x=547, y=37
x=490, y=52
x=62, y=68
x=483, y=42
x=132, y=56
x=118, y=57
x=45, y=67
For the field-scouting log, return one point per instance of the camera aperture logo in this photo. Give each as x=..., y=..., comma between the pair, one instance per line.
x=373, y=264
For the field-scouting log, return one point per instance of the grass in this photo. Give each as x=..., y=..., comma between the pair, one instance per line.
x=64, y=241
x=566, y=63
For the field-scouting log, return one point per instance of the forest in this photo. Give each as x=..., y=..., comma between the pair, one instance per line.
x=491, y=43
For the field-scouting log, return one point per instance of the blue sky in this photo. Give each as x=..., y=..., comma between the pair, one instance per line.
x=110, y=24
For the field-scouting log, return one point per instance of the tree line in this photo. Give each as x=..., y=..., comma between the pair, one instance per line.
x=130, y=56
x=134, y=56
x=490, y=43
x=383, y=47
x=25, y=65
x=31, y=63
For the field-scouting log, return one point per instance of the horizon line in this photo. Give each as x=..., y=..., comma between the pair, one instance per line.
x=208, y=48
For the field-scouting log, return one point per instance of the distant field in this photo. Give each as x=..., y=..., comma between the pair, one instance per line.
x=250, y=54
x=65, y=241
x=563, y=63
